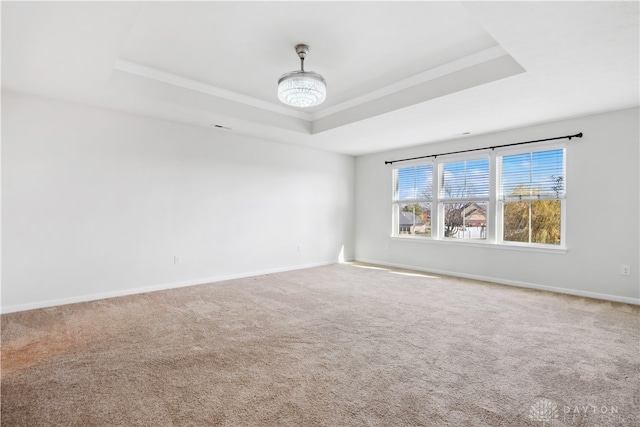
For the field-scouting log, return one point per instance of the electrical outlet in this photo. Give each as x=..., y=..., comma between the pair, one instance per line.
x=177, y=260
x=625, y=270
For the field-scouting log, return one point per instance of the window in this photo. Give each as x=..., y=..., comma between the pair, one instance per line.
x=464, y=194
x=531, y=195
x=412, y=200
x=512, y=197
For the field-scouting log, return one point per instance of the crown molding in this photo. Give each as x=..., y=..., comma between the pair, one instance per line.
x=186, y=83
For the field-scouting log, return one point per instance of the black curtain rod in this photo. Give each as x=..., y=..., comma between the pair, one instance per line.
x=577, y=135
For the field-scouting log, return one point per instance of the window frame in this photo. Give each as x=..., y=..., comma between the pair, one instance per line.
x=509, y=151
x=494, y=206
x=441, y=229
x=396, y=202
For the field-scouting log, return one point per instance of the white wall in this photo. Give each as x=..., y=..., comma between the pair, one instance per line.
x=603, y=214
x=97, y=203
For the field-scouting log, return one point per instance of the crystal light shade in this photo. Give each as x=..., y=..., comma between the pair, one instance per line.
x=302, y=89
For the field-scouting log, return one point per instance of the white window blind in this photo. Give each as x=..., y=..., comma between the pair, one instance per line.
x=413, y=183
x=533, y=175
x=468, y=179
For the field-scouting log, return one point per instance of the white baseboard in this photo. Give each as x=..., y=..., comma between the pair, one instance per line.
x=575, y=292
x=164, y=286
x=153, y=288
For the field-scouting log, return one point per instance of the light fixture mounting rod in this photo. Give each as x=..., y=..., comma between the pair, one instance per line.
x=302, y=50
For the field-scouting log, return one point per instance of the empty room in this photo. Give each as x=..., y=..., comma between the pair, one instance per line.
x=320, y=213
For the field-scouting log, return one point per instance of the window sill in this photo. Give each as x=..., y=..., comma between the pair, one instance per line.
x=483, y=244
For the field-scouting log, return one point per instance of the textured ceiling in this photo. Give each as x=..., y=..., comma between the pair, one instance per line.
x=398, y=73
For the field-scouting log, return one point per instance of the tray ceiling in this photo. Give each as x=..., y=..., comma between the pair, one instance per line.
x=398, y=73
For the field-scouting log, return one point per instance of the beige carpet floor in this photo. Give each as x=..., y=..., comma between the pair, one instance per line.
x=341, y=345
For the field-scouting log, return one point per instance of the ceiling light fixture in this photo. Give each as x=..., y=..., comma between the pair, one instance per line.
x=302, y=88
